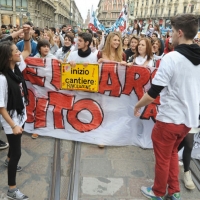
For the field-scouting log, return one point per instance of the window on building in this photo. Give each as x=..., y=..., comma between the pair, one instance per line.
x=192, y=9
x=6, y=4
x=169, y=12
x=184, y=9
x=21, y=4
x=162, y=11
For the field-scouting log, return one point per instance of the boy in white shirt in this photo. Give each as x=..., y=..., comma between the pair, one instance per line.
x=178, y=79
x=84, y=53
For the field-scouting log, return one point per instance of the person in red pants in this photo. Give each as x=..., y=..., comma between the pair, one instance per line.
x=178, y=83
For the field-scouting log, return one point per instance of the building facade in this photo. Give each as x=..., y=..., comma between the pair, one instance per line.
x=42, y=13
x=108, y=11
x=76, y=18
x=160, y=11
x=87, y=20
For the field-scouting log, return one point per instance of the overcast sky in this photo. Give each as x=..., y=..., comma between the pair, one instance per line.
x=84, y=5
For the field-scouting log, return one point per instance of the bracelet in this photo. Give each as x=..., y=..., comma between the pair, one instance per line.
x=14, y=126
x=27, y=40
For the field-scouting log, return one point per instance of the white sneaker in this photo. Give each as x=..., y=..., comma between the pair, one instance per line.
x=180, y=163
x=189, y=184
x=17, y=195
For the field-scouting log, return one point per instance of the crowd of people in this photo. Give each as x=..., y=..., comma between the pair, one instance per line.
x=148, y=49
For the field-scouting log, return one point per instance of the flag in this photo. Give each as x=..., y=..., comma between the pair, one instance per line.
x=119, y=25
x=94, y=23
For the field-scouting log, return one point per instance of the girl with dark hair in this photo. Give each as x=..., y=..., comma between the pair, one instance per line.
x=149, y=30
x=154, y=36
x=125, y=43
x=64, y=51
x=130, y=52
x=13, y=96
x=143, y=55
x=89, y=31
x=43, y=47
x=136, y=29
x=157, y=30
x=157, y=47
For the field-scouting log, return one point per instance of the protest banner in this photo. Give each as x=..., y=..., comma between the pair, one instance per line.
x=105, y=117
x=80, y=77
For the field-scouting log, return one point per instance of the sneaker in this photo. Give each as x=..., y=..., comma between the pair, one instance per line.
x=175, y=196
x=148, y=192
x=189, y=184
x=16, y=195
x=34, y=136
x=3, y=145
x=180, y=163
x=19, y=168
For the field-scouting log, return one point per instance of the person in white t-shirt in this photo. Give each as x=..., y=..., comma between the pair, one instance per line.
x=143, y=54
x=84, y=53
x=177, y=80
x=13, y=97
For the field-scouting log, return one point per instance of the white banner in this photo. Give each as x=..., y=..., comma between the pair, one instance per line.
x=104, y=118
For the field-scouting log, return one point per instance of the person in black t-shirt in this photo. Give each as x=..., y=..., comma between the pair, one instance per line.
x=131, y=51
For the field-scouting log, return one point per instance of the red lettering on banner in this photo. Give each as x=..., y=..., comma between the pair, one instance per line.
x=109, y=72
x=30, y=108
x=60, y=102
x=136, y=83
x=95, y=110
x=41, y=112
x=35, y=61
x=56, y=74
x=150, y=111
x=31, y=75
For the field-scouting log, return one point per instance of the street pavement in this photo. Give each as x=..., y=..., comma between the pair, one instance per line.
x=111, y=173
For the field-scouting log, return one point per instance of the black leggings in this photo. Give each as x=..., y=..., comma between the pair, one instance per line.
x=187, y=143
x=14, y=153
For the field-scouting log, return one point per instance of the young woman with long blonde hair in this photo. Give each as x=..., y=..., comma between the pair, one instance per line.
x=112, y=50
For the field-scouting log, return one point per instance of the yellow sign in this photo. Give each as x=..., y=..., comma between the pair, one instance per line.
x=80, y=77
